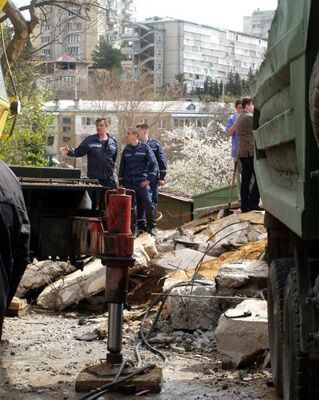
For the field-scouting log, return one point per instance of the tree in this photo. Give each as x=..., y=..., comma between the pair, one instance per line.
x=25, y=145
x=106, y=56
x=230, y=84
x=237, y=91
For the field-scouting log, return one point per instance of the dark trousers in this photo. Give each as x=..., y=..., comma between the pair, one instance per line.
x=154, y=195
x=144, y=205
x=249, y=198
x=14, y=243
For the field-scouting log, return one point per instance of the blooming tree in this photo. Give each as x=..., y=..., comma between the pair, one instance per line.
x=199, y=159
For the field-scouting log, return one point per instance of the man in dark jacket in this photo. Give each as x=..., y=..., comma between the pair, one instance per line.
x=246, y=148
x=14, y=238
x=155, y=145
x=101, y=150
x=138, y=168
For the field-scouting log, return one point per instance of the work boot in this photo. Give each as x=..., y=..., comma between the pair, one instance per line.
x=152, y=230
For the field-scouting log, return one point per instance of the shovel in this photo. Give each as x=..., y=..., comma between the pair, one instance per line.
x=227, y=211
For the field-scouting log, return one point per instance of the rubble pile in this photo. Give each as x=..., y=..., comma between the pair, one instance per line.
x=213, y=264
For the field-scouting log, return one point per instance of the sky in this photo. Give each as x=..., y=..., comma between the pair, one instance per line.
x=218, y=13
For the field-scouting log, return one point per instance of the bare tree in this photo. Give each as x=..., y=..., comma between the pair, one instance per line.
x=129, y=97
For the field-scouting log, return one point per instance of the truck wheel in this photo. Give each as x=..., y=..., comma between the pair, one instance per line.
x=314, y=98
x=300, y=375
x=278, y=273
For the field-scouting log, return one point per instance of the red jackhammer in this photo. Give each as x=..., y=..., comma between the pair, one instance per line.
x=111, y=240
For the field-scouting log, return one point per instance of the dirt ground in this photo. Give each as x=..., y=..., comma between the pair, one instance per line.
x=42, y=359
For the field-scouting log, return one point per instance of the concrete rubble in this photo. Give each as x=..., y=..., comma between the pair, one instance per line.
x=242, y=333
x=222, y=256
x=74, y=287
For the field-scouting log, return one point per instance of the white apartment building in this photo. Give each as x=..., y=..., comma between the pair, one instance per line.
x=169, y=47
x=258, y=24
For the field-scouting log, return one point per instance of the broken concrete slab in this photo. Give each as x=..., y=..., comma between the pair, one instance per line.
x=74, y=287
x=169, y=234
x=182, y=259
x=242, y=333
x=246, y=275
x=42, y=273
x=191, y=313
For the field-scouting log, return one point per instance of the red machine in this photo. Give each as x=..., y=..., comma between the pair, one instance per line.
x=111, y=239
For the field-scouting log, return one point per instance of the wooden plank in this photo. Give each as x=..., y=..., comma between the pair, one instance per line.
x=151, y=380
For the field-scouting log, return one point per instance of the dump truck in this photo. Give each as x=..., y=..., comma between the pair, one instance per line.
x=286, y=131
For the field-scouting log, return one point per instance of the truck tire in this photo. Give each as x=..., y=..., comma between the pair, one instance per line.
x=300, y=375
x=314, y=98
x=278, y=273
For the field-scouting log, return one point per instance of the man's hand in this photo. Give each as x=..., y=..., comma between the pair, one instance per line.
x=160, y=183
x=145, y=183
x=64, y=150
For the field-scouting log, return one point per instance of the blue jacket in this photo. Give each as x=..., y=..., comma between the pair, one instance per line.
x=158, y=151
x=101, y=156
x=137, y=164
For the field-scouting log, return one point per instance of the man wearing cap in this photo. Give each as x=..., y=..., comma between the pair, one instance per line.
x=138, y=168
x=155, y=145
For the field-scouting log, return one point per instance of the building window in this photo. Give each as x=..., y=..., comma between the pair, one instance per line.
x=44, y=27
x=66, y=120
x=66, y=79
x=88, y=121
x=46, y=52
x=66, y=139
x=73, y=51
x=45, y=39
x=161, y=124
x=73, y=38
x=50, y=141
x=66, y=129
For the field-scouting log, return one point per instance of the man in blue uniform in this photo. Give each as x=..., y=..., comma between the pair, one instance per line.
x=14, y=238
x=138, y=168
x=101, y=150
x=155, y=145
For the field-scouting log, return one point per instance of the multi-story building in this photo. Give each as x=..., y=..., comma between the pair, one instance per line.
x=114, y=20
x=66, y=38
x=258, y=24
x=171, y=47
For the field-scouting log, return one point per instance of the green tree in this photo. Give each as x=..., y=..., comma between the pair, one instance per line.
x=215, y=90
x=237, y=85
x=106, y=56
x=230, y=85
x=25, y=143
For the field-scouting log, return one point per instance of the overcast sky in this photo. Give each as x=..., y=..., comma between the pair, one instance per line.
x=220, y=13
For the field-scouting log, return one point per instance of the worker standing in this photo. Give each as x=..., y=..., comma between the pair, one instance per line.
x=14, y=238
x=155, y=145
x=246, y=149
x=101, y=150
x=138, y=168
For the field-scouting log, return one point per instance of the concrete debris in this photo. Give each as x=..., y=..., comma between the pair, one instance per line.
x=242, y=335
x=193, y=313
x=250, y=276
x=43, y=273
x=182, y=259
x=74, y=287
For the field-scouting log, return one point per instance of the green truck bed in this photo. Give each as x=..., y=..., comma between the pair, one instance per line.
x=287, y=157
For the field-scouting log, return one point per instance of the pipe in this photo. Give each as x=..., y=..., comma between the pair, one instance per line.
x=115, y=323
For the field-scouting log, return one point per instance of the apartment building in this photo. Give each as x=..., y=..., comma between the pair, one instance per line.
x=258, y=24
x=169, y=47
